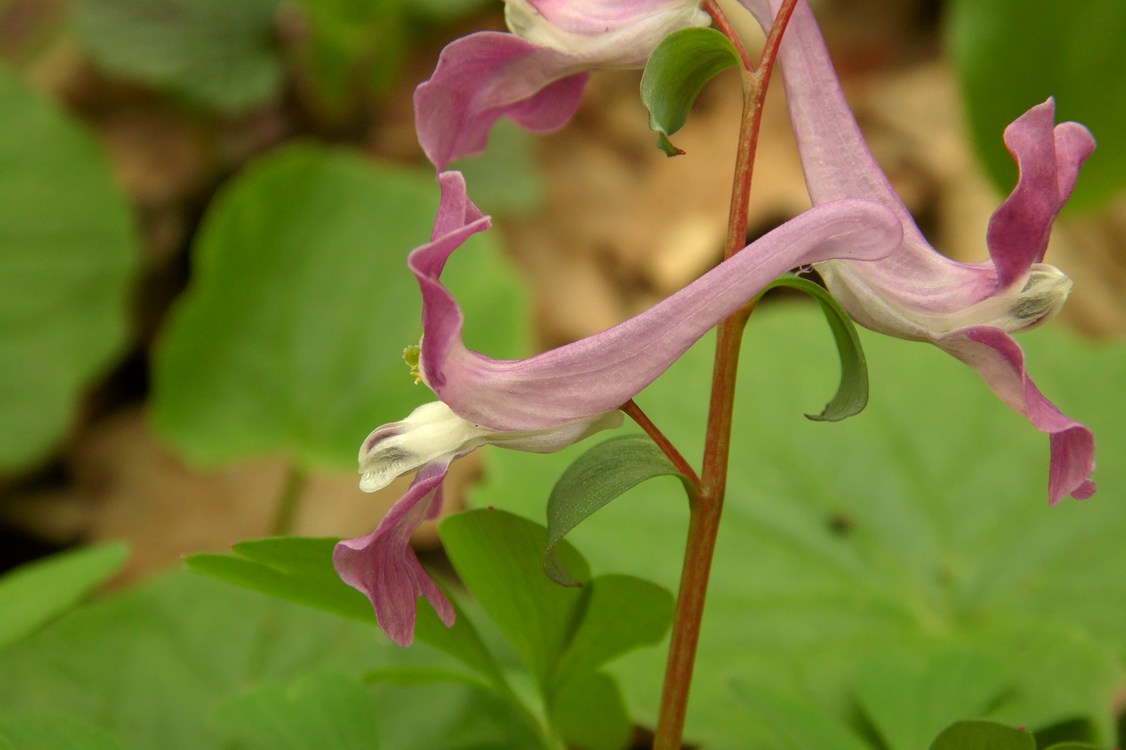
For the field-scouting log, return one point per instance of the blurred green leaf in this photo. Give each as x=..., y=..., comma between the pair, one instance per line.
x=562, y=634
x=49, y=731
x=295, y=569
x=590, y=713
x=1013, y=54
x=621, y=614
x=300, y=570
x=491, y=551
x=38, y=592
x=852, y=392
x=289, y=340
x=788, y=723
x=598, y=476
x=506, y=179
x=677, y=71
x=318, y=710
x=909, y=697
x=982, y=735
x=217, y=53
x=351, y=53
x=67, y=259
x=922, y=523
x=153, y=664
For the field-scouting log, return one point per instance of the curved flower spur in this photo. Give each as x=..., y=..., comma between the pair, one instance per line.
x=536, y=75
x=966, y=309
x=549, y=401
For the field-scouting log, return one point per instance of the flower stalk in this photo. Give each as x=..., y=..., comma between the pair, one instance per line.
x=706, y=504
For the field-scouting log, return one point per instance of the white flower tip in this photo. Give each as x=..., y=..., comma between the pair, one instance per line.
x=1042, y=296
x=373, y=481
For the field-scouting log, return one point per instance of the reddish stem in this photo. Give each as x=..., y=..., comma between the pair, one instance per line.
x=637, y=415
x=706, y=505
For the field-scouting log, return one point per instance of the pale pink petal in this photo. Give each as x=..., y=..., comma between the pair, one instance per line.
x=384, y=567
x=599, y=373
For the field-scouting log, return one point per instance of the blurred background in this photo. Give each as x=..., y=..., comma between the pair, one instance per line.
x=205, y=208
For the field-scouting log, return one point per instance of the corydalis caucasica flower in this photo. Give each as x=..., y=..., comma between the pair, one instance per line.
x=551, y=400
x=536, y=75
x=968, y=309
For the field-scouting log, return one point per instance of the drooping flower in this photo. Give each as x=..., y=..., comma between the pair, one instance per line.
x=967, y=309
x=554, y=399
x=536, y=74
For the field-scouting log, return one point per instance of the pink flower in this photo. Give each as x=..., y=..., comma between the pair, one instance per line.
x=536, y=75
x=967, y=309
x=549, y=401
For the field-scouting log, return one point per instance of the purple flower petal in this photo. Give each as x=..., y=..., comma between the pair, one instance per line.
x=999, y=359
x=1049, y=158
x=968, y=309
x=384, y=567
x=485, y=76
x=599, y=373
x=536, y=75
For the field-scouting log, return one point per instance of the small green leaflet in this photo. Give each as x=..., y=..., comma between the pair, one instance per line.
x=675, y=75
x=598, y=476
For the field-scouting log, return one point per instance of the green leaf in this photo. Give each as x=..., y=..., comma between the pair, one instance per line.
x=982, y=735
x=601, y=474
x=290, y=568
x=153, y=664
x=790, y=724
x=67, y=261
x=590, y=713
x=213, y=52
x=289, y=340
x=52, y=731
x=1073, y=746
x=910, y=695
x=322, y=709
x=852, y=393
x=497, y=555
x=300, y=570
x=923, y=523
x=38, y=592
x=677, y=72
x=622, y=613
x=1011, y=56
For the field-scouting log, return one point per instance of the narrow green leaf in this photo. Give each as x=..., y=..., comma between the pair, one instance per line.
x=1073, y=746
x=677, y=72
x=598, y=476
x=852, y=393
x=590, y=713
x=36, y=593
x=67, y=262
x=214, y=52
x=300, y=570
x=983, y=735
x=295, y=569
x=497, y=555
x=320, y=710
